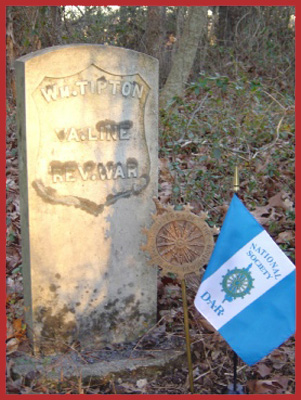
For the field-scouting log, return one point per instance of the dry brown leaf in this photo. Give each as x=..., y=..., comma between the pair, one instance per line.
x=290, y=352
x=276, y=201
x=262, y=369
x=284, y=237
x=268, y=213
x=141, y=383
x=19, y=329
x=264, y=214
x=165, y=174
x=288, y=205
x=215, y=354
x=17, y=324
x=281, y=200
x=277, y=385
x=165, y=192
x=14, y=286
x=9, y=330
x=12, y=345
x=278, y=356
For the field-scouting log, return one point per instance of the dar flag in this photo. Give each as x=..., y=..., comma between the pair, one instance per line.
x=248, y=289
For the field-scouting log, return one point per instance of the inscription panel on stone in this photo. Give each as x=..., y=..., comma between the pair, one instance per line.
x=91, y=148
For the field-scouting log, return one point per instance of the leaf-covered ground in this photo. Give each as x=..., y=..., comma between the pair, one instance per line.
x=220, y=123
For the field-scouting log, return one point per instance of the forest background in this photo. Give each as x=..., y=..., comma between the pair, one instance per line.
x=227, y=97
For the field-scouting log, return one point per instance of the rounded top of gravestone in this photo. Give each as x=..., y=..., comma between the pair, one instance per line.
x=85, y=47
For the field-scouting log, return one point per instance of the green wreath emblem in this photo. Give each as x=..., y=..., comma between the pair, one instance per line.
x=237, y=283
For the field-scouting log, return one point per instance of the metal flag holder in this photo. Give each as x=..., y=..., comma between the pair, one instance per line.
x=187, y=336
x=180, y=242
x=236, y=388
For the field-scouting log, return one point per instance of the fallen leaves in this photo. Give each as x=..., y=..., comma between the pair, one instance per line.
x=270, y=212
x=19, y=328
x=286, y=237
x=277, y=385
x=262, y=369
x=16, y=333
x=16, y=328
x=12, y=345
x=279, y=358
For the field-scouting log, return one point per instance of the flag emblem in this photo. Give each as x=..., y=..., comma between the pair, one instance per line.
x=248, y=290
x=237, y=283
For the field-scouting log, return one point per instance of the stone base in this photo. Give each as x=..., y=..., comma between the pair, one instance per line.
x=141, y=364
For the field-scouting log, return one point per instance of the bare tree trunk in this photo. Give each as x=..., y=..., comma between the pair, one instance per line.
x=57, y=24
x=154, y=30
x=181, y=11
x=232, y=21
x=195, y=27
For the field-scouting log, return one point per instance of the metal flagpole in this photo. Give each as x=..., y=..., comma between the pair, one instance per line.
x=234, y=389
x=234, y=372
x=236, y=179
x=186, y=326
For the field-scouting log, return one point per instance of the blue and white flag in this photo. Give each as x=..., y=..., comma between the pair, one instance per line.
x=248, y=289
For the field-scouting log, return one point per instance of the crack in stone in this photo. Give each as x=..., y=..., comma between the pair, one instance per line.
x=50, y=195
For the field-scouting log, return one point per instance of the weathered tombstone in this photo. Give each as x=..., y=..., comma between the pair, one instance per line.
x=87, y=129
